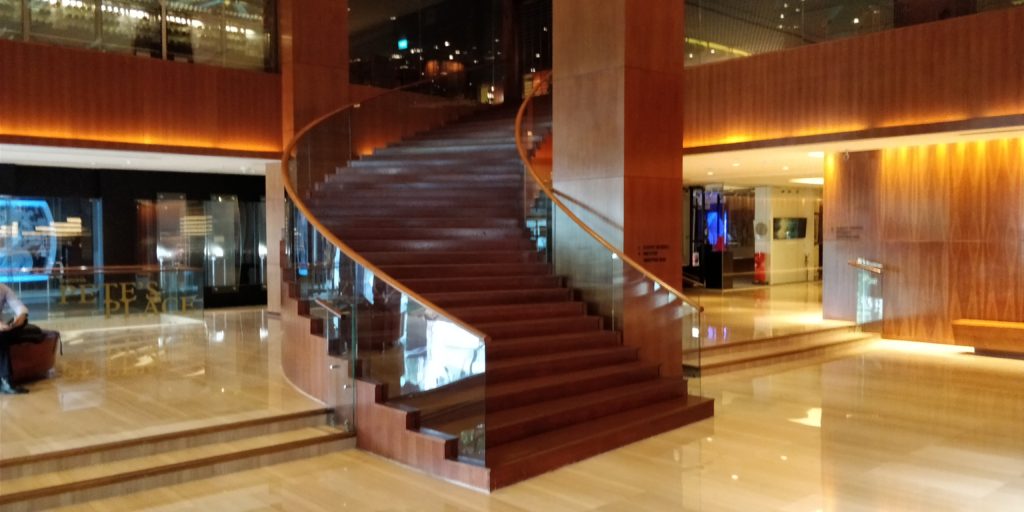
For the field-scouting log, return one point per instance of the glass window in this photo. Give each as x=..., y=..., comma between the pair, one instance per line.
x=195, y=31
x=248, y=34
x=65, y=22
x=132, y=26
x=10, y=19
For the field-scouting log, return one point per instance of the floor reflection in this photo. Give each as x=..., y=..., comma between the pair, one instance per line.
x=123, y=383
x=761, y=312
x=889, y=429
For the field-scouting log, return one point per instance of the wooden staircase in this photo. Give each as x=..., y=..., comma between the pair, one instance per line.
x=443, y=213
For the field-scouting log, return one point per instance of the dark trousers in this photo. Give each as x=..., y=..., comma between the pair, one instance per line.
x=8, y=338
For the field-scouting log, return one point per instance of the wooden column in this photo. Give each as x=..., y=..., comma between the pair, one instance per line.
x=314, y=59
x=314, y=81
x=617, y=128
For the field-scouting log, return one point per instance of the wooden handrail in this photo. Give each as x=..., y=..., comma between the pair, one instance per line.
x=334, y=240
x=550, y=192
x=874, y=269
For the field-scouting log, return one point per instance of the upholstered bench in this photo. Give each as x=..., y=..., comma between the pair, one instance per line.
x=33, y=361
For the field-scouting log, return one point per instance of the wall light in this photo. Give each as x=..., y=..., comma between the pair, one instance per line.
x=816, y=154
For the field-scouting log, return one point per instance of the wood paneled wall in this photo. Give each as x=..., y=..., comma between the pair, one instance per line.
x=953, y=70
x=62, y=96
x=947, y=222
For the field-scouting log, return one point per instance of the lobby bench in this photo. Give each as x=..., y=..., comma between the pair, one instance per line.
x=990, y=335
x=33, y=361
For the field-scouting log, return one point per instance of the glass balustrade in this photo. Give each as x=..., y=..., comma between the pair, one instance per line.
x=387, y=333
x=644, y=310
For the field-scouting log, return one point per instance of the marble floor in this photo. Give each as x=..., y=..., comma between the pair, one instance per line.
x=761, y=312
x=898, y=427
x=123, y=383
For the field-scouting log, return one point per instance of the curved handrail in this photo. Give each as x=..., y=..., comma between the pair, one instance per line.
x=550, y=192
x=334, y=240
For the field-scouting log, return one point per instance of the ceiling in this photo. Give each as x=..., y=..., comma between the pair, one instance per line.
x=779, y=165
x=81, y=158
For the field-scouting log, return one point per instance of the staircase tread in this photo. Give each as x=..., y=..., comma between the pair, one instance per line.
x=516, y=386
x=769, y=353
x=542, y=409
x=534, y=321
x=140, y=465
x=556, y=356
x=555, y=337
x=563, y=438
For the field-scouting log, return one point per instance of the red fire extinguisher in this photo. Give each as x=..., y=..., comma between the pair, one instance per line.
x=760, y=270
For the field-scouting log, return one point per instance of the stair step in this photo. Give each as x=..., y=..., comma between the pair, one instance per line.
x=417, y=222
x=129, y=475
x=456, y=149
x=329, y=203
x=466, y=179
x=490, y=284
x=19, y=467
x=769, y=355
x=523, y=392
x=403, y=188
x=509, y=162
x=505, y=370
x=451, y=258
x=391, y=210
x=466, y=270
x=540, y=327
x=479, y=235
x=535, y=455
x=453, y=299
x=437, y=245
x=523, y=347
x=498, y=313
x=530, y=420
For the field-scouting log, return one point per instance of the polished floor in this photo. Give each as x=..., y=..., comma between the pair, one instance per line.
x=899, y=427
x=761, y=312
x=122, y=383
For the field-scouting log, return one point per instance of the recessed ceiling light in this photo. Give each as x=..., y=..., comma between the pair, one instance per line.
x=711, y=173
x=785, y=167
x=735, y=164
x=816, y=154
x=809, y=181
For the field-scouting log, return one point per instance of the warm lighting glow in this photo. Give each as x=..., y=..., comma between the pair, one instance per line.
x=816, y=154
x=813, y=418
x=923, y=348
x=809, y=181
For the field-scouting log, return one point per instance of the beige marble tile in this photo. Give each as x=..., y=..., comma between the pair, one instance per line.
x=761, y=312
x=121, y=384
x=887, y=429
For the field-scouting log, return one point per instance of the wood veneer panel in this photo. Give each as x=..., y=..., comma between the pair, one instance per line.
x=945, y=71
x=53, y=93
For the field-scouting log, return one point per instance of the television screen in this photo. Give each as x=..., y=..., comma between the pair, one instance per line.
x=790, y=228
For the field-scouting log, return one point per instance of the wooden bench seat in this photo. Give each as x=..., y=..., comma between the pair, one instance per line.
x=990, y=335
x=33, y=361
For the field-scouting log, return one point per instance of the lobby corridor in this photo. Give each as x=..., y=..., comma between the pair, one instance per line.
x=898, y=427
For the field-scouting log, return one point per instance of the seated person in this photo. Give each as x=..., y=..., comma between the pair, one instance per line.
x=9, y=335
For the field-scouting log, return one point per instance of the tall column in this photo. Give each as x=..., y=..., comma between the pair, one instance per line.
x=314, y=81
x=314, y=59
x=618, y=125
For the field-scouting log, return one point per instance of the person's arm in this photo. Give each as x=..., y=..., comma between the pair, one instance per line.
x=20, y=311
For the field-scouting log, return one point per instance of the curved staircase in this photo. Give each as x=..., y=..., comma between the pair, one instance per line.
x=443, y=212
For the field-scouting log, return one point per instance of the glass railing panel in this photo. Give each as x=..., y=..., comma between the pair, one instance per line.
x=870, y=305
x=385, y=333
x=643, y=310
x=75, y=299
x=719, y=30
